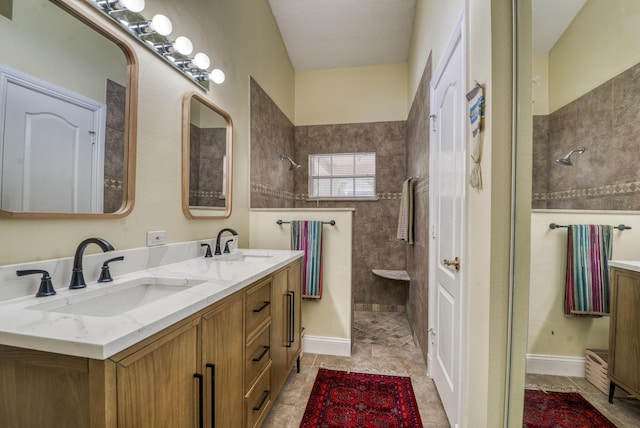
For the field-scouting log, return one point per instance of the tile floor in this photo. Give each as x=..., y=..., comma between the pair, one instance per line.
x=382, y=344
x=624, y=412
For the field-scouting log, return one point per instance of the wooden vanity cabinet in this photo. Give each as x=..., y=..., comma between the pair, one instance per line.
x=624, y=332
x=286, y=324
x=216, y=366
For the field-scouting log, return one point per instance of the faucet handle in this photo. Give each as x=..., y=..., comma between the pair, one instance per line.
x=105, y=274
x=46, y=286
x=208, y=253
x=226, y=247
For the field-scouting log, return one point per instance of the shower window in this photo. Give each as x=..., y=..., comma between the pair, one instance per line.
x=342, y=175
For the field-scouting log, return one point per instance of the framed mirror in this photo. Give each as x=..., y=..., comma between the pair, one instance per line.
x=68, y=91
x=207, y=141
x=586, y=105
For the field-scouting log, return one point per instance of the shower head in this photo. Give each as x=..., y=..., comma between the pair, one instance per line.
x=293, y=165
x=566, y=159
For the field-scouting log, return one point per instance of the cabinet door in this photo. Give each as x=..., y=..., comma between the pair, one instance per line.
x=624, y=330
x=294, y=288
x=280, y=329
x=223, y=361
x=156, y=385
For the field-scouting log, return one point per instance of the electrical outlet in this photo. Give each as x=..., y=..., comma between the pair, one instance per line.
x=156, y=237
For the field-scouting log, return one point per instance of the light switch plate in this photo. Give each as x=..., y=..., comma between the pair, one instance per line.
x=156, y=237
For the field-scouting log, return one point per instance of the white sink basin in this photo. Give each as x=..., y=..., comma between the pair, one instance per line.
x=246, y=256
x=116, y=299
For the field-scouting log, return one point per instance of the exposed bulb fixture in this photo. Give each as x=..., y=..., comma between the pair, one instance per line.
x=566, y=159
x=183, y=45
x=217, y=76
x=159, y=24
x=201, y=61
x=153, y=33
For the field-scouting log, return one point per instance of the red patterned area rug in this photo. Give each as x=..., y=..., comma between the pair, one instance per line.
x=348, y=399
x=559, y=410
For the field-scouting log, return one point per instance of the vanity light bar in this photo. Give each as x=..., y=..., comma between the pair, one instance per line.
x=154, y=34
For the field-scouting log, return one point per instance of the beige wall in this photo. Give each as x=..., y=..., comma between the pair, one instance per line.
x=601, y=42
x=330, y=317
x=540, y=84
x=241, y=37
x=550, y=332
x=351, y=95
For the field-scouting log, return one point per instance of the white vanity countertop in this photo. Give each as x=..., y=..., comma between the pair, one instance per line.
x=629, y=265
x=101, y=337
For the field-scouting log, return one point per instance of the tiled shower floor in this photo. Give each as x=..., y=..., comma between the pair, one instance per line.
x=382, y=344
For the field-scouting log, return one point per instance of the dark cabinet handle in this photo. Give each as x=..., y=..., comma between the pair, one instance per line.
x=262, y=354
x=261, y=308
x=213, y=393
x=200, y=399
x=264, y=399
x=291, y=327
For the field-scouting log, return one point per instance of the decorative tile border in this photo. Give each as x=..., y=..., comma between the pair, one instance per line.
x=112, y=183
x=268, y=189
x=618, y=189
x=205, y=194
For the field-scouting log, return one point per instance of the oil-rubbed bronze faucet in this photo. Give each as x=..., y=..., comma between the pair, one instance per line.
x=226, y=246
x=77, y=277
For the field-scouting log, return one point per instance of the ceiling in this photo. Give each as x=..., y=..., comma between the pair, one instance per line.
x=321, y=34
x=550, y=19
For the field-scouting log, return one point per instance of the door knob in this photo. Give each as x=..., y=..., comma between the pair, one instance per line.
x=455, y=262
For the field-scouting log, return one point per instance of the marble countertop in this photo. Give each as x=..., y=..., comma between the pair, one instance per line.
x=29, y=322
x=622, y=264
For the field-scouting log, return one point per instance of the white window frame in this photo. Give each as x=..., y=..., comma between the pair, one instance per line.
x=312, y=178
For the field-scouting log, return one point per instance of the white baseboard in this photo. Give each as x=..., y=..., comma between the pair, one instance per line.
x=555, y=365
x=326, y=345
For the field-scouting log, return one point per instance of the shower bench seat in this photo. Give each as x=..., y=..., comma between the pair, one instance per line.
x=398, y=275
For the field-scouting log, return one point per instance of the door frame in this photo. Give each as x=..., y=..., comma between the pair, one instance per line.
x=458, y=36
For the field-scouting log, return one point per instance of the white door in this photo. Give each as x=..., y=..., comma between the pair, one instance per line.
x=52, y=149
x=447, y=189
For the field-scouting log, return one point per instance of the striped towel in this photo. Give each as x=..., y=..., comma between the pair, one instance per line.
x=405, y=220
x=589, y=248
x=307, y=236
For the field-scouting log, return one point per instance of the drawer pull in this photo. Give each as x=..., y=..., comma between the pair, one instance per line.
x=262, y=354
x=264, y=399
x=261, y=308
x=213, y=393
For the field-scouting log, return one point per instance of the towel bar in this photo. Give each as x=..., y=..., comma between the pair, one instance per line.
x=331, y=222
x=619, y=227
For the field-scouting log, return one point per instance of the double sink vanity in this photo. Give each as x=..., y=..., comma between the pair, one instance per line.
x=176, y=339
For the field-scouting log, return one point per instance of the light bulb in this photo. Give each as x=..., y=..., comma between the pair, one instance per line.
x=201, y=61
x=133, y=5
x=183, y=45
x=217, y=76
x=161, y=25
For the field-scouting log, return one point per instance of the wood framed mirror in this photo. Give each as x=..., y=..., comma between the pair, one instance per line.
x=69, y=152
x=207, y=142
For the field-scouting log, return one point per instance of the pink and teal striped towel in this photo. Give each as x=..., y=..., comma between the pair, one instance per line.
x=307, y=236
x=589, y=248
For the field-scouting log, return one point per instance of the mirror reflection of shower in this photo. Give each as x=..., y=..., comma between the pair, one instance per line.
x=293, y=165
x=566, y=159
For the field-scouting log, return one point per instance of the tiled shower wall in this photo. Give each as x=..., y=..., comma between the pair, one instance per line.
x=375, y=245
x=418, y=253
x=374, y=237
x=114, y=146
x=606, y=121
x=272, y=134
x=208, y=146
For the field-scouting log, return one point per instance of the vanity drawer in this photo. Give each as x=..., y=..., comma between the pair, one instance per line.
x=257, y=305
x=258, y=400
x=258, y=355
